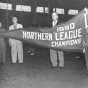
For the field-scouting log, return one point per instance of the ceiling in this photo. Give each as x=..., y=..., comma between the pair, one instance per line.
x=67, y=4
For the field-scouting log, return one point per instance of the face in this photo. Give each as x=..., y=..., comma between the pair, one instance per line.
x=0, y=24
x=54, y=16
x=14, y=20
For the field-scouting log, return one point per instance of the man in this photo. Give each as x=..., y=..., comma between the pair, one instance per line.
x=16, y=45
x=56, y=55
x=2, y=47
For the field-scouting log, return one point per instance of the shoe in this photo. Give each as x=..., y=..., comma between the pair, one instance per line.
x=61, y=68
x=53, y=66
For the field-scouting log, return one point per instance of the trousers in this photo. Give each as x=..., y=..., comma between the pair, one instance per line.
x=2, y=51
x=16, y=51
x=56, y=55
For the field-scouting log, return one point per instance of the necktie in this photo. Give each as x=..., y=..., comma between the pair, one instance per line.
x=54, y=23
x=15, y=27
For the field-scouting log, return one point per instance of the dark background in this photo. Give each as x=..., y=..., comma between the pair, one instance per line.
x=36, y=19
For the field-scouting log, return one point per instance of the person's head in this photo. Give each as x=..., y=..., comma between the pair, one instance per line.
x=54, y=16
x=14, y=20
x=0, y=25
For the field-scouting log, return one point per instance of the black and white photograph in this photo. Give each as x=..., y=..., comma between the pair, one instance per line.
x=43, y=43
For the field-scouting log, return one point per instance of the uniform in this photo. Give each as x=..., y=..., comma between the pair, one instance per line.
x=56, y=55
x=16, y=46
x=2, y=50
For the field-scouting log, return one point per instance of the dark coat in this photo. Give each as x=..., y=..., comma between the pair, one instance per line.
x=2, y=49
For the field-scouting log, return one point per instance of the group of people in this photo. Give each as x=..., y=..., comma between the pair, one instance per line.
x=17, y=46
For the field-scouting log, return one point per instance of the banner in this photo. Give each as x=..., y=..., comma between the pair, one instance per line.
x=71, y=35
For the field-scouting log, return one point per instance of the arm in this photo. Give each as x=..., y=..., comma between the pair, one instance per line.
x=10, y=28
x=20, y=26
